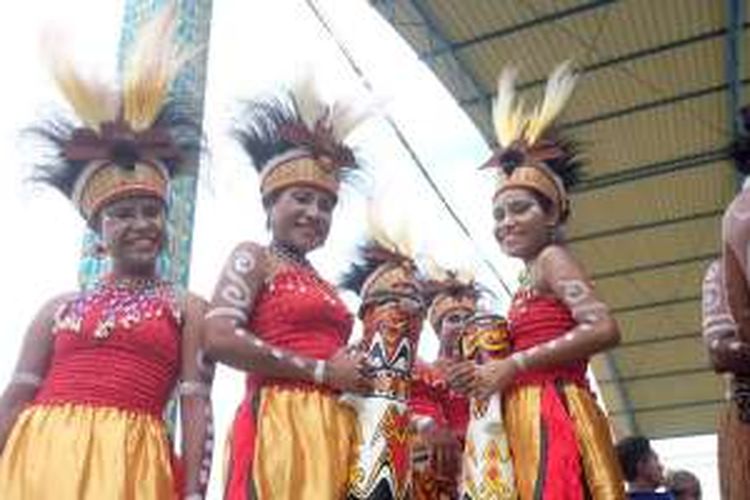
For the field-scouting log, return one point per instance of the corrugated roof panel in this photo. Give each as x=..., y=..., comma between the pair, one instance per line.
x=679, y=421
x=660, y=322
x=653, y=117
x=658, y=285
x=677, y=390
x=679, y=355
x=655, y=135
x=688, y=69
x=663, y=197
x=681, y=240
x=471, y=18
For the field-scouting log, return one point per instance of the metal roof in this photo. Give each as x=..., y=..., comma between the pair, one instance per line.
x=661, y=83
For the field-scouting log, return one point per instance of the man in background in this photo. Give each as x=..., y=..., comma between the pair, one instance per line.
x=642, y=469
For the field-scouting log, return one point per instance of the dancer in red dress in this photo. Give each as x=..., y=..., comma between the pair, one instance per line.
x=82, y=416
x=560, y=439
x=274, y=317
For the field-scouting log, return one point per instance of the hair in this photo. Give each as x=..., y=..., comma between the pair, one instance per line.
x=366, y=263
x=265, y=128
x=568, y=166
x=739, y=150
x=677, y=477
x=630, y=451
x=258, y=127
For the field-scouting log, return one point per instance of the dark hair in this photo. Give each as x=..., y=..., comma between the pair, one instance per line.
x=630, y=451
x=739, y=150
x=568, y=166
x=365, y=264
x=266, y=127
x=258, y=127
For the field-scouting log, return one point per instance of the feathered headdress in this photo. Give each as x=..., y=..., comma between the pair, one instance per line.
x=386, y=265
x=298, y=136
x=531, y=153
x=448, y=291
x=128, y=139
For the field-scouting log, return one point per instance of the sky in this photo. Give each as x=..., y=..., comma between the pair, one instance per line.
x=257, y=45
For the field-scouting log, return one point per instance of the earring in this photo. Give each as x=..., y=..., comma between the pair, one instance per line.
x=552, y=234
x=100, y=250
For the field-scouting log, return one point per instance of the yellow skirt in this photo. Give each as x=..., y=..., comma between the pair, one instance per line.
x=78, y=452
x=301, y=443
x=590, y=436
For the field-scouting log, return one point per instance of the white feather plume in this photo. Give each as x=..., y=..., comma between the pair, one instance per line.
x=560, y=86
x=508, y=114
x=152, y=64
x=93, y=100
x=350, y=112
x=312, y=104
x=394, y=237
x=342, y=114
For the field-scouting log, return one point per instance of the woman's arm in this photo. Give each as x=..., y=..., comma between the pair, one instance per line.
x=229, y=340
x=195, y=401
x=734, y=264
x=726, y=352
x=31, y=366
x=595, y=329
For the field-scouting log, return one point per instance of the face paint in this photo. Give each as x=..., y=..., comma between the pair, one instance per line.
x=522, y=228
x=132, y=230
x=301, y=217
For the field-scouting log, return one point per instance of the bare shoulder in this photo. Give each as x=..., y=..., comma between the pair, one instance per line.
x=53, y=305
x=555, y=255
x=248, y=256
x=736, y=217
x=45, y=315
x=195, y=303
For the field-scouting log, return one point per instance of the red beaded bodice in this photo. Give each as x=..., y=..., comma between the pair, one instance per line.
x=535, y=319
x=116, y=346
x=298, y=311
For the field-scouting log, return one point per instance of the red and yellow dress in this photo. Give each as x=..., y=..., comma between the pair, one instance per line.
x=293, y=439
x=431, y=400
x=559, y=438
x=94, y=430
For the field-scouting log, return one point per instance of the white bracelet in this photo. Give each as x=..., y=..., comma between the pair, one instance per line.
x=193, y=388
x=319, y=375
x=26, y=378
x=519, y=358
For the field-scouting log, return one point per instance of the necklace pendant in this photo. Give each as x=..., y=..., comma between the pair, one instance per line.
x=104, y=328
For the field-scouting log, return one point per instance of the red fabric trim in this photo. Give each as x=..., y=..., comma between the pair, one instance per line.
x=562, y=464
x=241, y=452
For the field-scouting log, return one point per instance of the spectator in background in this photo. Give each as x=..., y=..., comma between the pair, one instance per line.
x=684, y=485
x=642, y=469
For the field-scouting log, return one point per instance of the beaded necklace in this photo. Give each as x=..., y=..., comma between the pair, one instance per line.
x=123, y=302
x=290, y=254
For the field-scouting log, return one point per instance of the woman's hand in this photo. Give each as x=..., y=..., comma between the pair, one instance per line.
x=345, y=371
x=494, y=377
x=730, y=355
x=461, y=376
